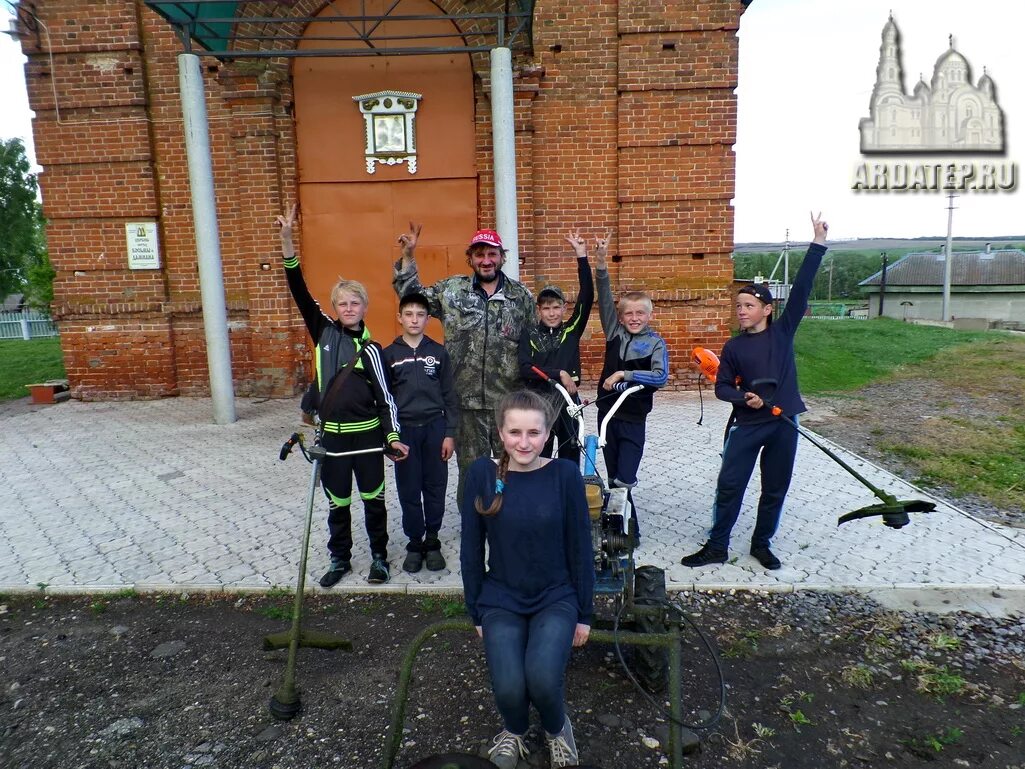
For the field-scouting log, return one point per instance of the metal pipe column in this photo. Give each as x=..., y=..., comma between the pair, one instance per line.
x=208, y=247
x=948, y=264
x=503, y=136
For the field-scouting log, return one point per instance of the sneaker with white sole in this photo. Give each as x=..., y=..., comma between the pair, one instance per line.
x=508, y=749
x=562, y=747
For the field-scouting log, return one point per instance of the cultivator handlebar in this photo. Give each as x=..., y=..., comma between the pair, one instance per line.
x=288, y=445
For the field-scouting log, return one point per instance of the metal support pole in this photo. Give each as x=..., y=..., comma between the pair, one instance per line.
x=675, y=705
x=882, y=286
x=670, y=641
x=503, y=134
x=948, y=262
x=208, y=247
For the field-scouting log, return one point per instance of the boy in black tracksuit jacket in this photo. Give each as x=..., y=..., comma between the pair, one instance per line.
x=757, y=371
x=361, y=414
x=421, y=379
x=634, y=354
x=554, y=347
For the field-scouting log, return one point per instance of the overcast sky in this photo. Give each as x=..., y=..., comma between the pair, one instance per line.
x=807, y=68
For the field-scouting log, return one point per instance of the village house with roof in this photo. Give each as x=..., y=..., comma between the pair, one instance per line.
x=986, y=286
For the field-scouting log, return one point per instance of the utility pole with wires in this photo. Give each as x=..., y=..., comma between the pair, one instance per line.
x=780, y=290
x=882, y=283
x=948, y=261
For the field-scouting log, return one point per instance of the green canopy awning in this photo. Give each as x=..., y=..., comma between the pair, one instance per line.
x=226, y=29
x=209, y=24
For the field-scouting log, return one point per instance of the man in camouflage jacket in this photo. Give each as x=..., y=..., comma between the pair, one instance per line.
x=483, y=316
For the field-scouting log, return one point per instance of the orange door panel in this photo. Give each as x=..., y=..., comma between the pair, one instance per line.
x=350, y=230
x=350, y=218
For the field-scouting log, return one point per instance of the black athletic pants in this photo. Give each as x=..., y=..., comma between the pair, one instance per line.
x=336, y=477
x=421, y=480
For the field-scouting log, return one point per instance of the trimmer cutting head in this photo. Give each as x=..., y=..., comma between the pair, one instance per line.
x=287, y=709
x=894, y=513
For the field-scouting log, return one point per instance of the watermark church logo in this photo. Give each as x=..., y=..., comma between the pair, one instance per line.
x=948, y=114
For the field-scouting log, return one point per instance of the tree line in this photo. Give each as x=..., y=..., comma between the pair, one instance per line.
x=24, y=263
x=848, y=269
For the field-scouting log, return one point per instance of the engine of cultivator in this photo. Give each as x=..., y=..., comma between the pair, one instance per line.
x=611, y=539
x=640, y=603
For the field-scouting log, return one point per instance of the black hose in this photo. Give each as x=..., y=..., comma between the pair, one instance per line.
x=708, y=723
x=701, y=402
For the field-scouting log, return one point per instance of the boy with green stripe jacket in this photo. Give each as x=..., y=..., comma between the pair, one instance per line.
x=554, y=348
x=360, y=414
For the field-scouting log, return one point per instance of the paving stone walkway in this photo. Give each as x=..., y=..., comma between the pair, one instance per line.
x=151, y=495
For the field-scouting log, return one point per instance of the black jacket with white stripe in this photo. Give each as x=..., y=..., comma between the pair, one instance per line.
x=364, y=402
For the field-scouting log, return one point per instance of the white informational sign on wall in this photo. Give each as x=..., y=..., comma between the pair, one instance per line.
x=143, y=246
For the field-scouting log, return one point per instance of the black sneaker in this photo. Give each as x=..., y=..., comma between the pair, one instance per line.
x=332, y=576
x=414, y=561
x=765, y=557
x=378, y=572
x=703, y=557
x=435, y=560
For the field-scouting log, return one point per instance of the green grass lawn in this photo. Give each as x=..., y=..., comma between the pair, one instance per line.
x=23, y=363
x=833, y=355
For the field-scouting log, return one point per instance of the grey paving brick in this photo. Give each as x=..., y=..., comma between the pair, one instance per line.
x=153, y=494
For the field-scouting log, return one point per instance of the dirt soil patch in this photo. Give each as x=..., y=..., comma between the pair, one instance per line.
x=945, y=436
x=813, y=680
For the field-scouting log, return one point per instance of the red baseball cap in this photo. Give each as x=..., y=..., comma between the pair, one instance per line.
x=487, y=238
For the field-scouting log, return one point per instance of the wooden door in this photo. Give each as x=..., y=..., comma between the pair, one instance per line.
x=350, y=218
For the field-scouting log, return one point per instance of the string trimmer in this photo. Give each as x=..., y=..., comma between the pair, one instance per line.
x=286, y=702
x=894, y=511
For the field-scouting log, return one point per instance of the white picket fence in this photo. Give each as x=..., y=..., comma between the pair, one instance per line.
x=27, y=324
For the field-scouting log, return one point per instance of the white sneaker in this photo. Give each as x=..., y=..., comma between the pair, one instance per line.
x=508, y=749
x=563, y=748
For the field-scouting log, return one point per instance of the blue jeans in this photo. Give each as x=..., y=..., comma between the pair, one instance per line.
x=527, y=656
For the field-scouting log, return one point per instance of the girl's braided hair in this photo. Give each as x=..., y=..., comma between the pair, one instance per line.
x=523, y=400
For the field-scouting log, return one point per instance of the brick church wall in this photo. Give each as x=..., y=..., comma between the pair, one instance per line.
x=625, y=120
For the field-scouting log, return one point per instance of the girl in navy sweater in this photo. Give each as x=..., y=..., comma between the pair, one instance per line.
x=534, y=601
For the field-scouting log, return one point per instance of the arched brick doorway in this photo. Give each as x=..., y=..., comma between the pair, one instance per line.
x=350, y=218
